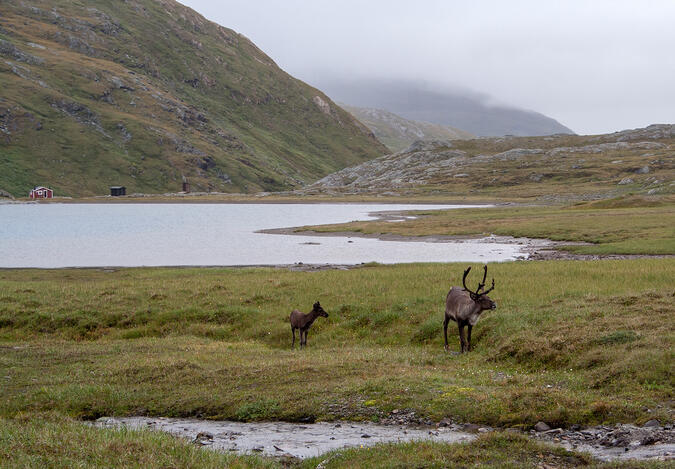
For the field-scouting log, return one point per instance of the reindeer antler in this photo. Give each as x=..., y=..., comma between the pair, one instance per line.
x=490, y=289
x=481, y=285
x=466, y=272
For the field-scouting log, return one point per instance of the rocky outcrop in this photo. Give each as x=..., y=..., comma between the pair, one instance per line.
x=10, y=50
x=637, y=161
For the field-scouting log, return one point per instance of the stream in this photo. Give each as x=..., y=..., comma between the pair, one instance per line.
x=312, y=439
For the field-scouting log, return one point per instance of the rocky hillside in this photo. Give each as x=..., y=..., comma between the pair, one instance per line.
x=143, y=92
x=555, y=167
x=398, y=133
x=471, y=112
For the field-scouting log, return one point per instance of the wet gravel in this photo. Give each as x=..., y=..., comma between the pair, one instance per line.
x=651, y=441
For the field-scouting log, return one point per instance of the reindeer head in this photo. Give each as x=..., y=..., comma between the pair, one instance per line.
x=478, y=296
x=318, y=309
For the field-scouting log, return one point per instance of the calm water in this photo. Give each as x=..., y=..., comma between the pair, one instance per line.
x=95, y=235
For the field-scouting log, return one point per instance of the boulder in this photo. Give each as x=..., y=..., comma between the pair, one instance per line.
x=541, y=427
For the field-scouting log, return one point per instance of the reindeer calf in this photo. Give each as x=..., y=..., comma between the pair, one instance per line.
x=303, y=322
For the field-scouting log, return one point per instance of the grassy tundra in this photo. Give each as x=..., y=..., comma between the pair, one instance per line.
x=571, y=342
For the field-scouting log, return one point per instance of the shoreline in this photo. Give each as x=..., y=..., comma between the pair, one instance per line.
x=535, y=248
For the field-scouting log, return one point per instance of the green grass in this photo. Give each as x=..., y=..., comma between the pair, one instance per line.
x=48, y=440
x=617, y=226
x=569, y=343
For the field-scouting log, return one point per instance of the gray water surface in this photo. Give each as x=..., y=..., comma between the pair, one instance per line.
x=130, y=235
x=279, y=438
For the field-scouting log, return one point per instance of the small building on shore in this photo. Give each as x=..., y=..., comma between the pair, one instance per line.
x=116, y=191
x=41, y=192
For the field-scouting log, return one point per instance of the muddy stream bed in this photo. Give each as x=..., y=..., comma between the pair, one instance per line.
x=282, y=439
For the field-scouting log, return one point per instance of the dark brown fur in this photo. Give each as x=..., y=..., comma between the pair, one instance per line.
x=464, y=307
x=303, y=322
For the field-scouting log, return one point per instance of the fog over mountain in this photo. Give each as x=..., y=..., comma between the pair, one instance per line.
x=595, y=66
x=462, y=109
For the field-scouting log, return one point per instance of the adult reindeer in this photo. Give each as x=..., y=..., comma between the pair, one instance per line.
x=464, y=306
x=303, y=321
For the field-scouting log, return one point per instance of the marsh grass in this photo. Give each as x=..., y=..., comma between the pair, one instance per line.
x=627, y=225
x=570, y=342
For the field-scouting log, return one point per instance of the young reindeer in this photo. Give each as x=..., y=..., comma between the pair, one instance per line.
x=304, y=321
x=464, y=307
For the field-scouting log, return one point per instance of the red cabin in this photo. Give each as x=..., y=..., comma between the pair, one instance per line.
x=41, y=193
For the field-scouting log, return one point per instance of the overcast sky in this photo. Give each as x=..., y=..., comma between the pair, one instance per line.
x=594, y=65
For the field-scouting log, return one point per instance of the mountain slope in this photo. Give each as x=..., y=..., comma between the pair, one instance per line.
x=143, y=92
x=468, y=111
x=398, y=133
x=547, y=168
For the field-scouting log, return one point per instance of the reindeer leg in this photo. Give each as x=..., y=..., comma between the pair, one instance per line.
x=468, y=338
x=445, y=331
x=306, y=337
x=462, y=343
x=293, y=330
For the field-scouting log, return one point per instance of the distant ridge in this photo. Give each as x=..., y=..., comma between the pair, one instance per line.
x=467, y=111
x=398, y=133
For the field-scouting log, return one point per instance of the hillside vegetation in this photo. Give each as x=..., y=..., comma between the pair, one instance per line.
x=398, y=133
x=142, y=92
x=545, y=169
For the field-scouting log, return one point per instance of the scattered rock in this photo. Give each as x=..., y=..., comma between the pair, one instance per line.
x=642, y=170
x=446, y=422
x=203, y=438
x=471, y=427
x=653, y=423
x=541, y=427
x=625, y=181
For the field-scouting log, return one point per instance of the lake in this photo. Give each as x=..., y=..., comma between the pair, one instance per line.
x=130, y=235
